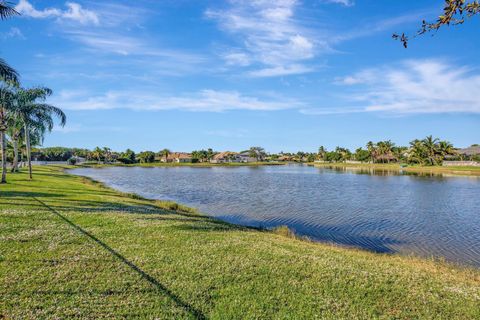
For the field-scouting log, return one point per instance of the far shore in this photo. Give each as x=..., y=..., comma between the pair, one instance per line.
x=186, y=164
x=433, y=170
x=430, y=170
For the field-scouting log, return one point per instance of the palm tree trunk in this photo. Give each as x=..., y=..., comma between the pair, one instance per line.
x=3, y=144
x=15, y=155
x=29, y=151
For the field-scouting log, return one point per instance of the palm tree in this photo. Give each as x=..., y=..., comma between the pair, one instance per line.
x=165, y=153
x=36, y=115
x=446, y=148
x=16, y=134
x=107, y=152
x=7, y=73
x=6, y=108
x=97, y=153
x=321, y=152
x=371, y=148
x=431, y=149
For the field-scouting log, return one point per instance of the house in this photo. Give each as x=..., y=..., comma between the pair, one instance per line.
x=226, y=156
x=470, y=151
x=245, y=157
x=177, y=157
x=386, y=158
x=286, y=158
x=183, y=158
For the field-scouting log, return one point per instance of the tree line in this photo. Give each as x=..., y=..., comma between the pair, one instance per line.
x=429, y=151
x=25, y=115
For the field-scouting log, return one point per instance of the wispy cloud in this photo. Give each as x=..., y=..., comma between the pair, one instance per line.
x=271, y=40
x=13, y=32
x=413, y=87
x=202, y=101
x=73, y=12
x=346, y=3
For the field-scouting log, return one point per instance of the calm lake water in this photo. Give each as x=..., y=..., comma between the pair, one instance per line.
x=379, y=211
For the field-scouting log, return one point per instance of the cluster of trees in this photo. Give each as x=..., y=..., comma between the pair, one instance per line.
x=25, y=116
x=429, y=151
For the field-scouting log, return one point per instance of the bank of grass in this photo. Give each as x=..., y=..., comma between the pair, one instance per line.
x=71, y=248
x=429, y=170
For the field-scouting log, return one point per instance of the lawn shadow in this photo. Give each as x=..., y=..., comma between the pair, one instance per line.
x=153, y=281
x=28, y=194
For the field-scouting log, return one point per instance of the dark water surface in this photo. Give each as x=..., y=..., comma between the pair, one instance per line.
x=379, y=211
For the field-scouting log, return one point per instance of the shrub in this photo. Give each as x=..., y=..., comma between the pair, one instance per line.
x=72, y=161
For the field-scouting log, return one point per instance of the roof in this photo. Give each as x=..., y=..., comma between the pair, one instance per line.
x=470, y=151
x=223, y=155
x=178, y=155
x=386, y=157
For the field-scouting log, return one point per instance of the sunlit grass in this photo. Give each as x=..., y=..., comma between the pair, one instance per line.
x=72, y=248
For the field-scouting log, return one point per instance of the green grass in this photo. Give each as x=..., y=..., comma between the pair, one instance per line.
x=71, y=248
x=434, y=170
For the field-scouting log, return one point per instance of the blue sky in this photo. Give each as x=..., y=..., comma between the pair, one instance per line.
x=287, y=75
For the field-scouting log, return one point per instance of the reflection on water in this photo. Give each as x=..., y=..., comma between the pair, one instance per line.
x=383, y=172
x=379, y=210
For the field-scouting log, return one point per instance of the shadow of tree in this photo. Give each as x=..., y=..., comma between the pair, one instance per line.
x=23, y=194
x=153, y=281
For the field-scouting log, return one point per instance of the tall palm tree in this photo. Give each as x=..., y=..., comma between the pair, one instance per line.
x=6, y=108
x=34, y=113
x=371, y=148
x=16, y=134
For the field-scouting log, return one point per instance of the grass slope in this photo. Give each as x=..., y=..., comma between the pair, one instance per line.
x=70, y=248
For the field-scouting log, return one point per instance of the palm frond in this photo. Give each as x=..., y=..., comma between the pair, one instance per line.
x=7, y=10
x=7, y=73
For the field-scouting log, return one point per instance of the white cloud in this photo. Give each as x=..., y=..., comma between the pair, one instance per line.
x=269, y=35
x=73, y=12
x=204, y=101
x=416, y=86
x=237, y=59
x=281, y=71
x=77, y=13
x=347, y=3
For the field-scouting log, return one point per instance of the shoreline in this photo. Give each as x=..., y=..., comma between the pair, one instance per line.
x=199, y=164
x=208, y=263
x=283, y=230
x=433, y=170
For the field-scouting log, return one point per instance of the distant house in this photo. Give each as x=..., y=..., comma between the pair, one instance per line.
x=225, y=157
x=286, y=158
x=386, y=158
x=177, y=157
x=245, y=157
x=470, y=151
x=183, y=158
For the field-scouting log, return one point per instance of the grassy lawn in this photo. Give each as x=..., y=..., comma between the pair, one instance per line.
x=70, y=248
x=471, y=171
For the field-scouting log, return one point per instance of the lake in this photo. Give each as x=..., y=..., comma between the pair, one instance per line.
x=387, y=212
